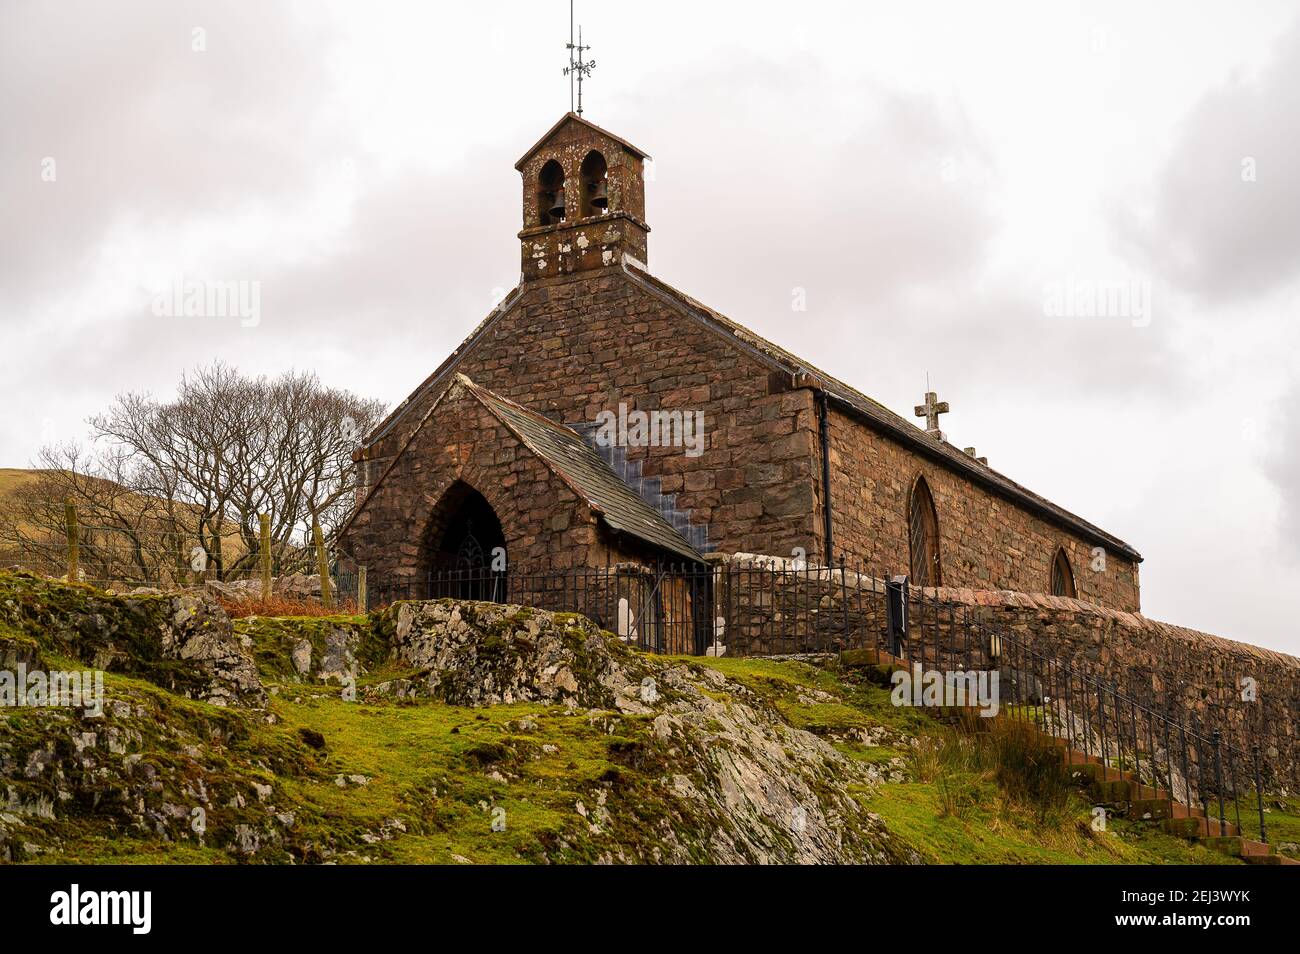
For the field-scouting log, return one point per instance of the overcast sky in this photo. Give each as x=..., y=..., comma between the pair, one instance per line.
x=926, y=175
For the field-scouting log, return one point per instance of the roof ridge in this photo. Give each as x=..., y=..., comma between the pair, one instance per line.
x=501, y=309
x=590, y=125
x=480, y=390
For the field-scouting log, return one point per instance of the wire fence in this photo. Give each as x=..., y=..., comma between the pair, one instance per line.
x=163, y=553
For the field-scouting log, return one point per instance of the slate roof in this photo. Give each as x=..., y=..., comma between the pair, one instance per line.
x=566, y=455
x=586, y=474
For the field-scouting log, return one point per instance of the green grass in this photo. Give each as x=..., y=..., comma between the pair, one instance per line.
x=992, y=832
x=438, y=776
x=1281, y=819
x=431, y=767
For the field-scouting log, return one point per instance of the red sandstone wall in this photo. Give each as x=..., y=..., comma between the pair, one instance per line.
x=986, y=542
x=575, y=347
x=1200, y=675
x=545, y=524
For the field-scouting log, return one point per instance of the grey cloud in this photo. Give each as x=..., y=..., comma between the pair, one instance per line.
x=144, y=131
x=1207, y=229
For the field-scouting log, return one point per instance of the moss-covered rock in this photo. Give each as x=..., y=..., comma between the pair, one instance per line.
x=324, y=649
x=487, y=734
x=705, y=769
x=182, y=642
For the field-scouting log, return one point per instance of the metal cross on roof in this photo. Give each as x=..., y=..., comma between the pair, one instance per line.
x=578, y=68
x=931, y=410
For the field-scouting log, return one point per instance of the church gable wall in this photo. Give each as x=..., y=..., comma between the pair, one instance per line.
x=545, y=524
x=573, y=348
x=986, y=541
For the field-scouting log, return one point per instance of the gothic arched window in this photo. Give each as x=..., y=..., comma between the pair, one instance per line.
x=595, y=185
x=550, y=194
x=923, y=535
x=1062, y=575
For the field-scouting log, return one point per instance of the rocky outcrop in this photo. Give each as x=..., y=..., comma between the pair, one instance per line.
x=477, y=654
x=146, y=768
x=183, y=642
x=733, y=782
x=658, y=760
x=308, y=649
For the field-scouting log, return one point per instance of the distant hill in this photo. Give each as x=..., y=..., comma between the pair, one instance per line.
x=13, y=477
x=113, y=548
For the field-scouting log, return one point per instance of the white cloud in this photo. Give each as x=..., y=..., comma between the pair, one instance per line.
x=921, y=174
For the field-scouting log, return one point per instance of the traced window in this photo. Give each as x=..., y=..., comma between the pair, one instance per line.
x=1062, y=575
x=550, y=194
x=924, y=536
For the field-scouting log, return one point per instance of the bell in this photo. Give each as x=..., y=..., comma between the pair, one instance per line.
x=556, y=211
x=600, y=196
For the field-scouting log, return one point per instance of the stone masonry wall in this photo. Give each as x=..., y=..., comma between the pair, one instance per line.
x=772, y=606
x=1202, y=676
x=544, y=523
x=574, y=347
x=985, y=541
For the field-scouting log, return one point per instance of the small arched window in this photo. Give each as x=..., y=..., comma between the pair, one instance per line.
x=923, y=536
x=550, y=194
x=1062, y=575
x=595, y=185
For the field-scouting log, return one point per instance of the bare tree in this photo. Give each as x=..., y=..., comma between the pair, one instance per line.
x=185, y=480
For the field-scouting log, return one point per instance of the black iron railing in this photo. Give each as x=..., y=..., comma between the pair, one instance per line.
x=1173, y=766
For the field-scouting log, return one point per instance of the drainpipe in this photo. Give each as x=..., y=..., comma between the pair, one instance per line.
x=824, y=425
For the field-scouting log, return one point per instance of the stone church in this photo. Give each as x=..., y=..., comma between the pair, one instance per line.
x=503, y=449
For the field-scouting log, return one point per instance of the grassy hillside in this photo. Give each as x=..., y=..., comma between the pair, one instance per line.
x=319, y=777
x=420, y=782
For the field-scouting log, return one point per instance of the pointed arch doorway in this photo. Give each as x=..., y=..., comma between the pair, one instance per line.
x=465, y=548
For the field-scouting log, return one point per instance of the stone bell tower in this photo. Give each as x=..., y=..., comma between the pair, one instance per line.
x=584, y=201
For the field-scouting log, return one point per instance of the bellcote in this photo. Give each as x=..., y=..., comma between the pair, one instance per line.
x=583, y=201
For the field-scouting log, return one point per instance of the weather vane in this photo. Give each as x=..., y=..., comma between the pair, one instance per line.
x=577, y=68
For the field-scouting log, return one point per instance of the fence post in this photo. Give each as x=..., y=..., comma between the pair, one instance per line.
x=1218, y=776
x=1259, y=790
x=74, y=544
x=361, y=589
x=264, y=557
x=896, y=614
x=322, y=565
